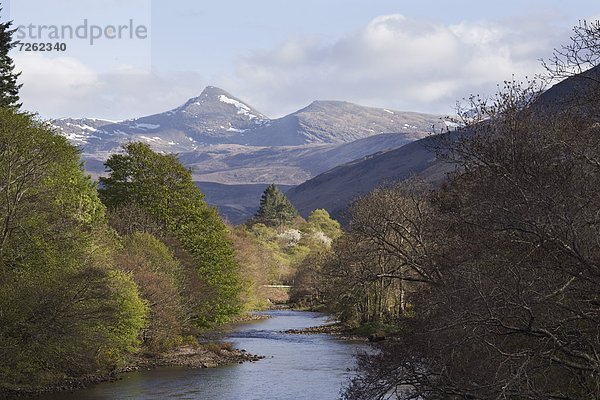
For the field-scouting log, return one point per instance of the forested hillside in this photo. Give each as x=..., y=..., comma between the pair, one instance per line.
x=467, y=265
x=487, y=286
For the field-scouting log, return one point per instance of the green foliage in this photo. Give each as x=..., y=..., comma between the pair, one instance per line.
x=284, y=248
x=256, y=263
x=275, y=208
x=130, y=315
x=318, y=235
x=263, y=232
x=41, y=183
x=64, y=311
x=159, y=277
x=285, y=255
x=156, y=182
x=68, y=323
x=164, y=188
x=320, y=220
x=9, y=89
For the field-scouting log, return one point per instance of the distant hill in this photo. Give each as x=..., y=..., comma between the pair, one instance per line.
x=335, y=189
x=227, y=141
x=289, y=165
x=581, y=92
x=235, y=202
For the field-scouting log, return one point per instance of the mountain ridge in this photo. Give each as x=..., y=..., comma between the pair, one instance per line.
x=336, y=188
x=227, y=141
x=217, y=117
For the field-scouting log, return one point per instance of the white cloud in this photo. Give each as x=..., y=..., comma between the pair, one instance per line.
x=53, y=84
x=399, y=63
x=393, y=62
x=63, y=86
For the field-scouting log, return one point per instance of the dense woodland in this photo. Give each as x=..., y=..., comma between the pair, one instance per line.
x=94, y=273
x=486, y=286
x=489, y=285
x=90, y=277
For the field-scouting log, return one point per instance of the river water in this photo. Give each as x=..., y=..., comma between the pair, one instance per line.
x=296, y=367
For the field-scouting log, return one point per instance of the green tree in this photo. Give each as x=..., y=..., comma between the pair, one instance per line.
x=257, y=262
x=319, y=233
x=320, y=220
x=159, y=277
x=9, y=88
x=164, y=188
x=64, y=310
x=275, y=208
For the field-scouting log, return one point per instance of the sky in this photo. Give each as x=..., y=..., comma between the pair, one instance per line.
x=130, y=58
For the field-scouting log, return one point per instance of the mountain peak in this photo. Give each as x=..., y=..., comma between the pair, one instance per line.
x=216, y=100
x=325, y=104
x=213, y=91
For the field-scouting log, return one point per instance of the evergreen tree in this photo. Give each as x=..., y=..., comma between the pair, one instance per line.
x=275, y=208
x=9, y=88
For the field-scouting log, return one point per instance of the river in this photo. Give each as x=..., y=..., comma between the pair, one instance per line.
x=311, y=367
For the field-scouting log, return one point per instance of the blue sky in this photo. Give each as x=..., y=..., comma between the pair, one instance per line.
x=280, y=55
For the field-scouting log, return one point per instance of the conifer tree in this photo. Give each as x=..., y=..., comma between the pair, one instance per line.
x=9, y=88
x=275, y=208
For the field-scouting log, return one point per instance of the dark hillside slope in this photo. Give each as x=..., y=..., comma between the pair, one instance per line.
x=335, y=189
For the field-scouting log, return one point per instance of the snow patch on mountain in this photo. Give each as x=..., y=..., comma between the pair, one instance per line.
x=230, y=129
x=152, y=139
x=241, y=107
x=82, y=126
x=144, y=126
x=76, y=137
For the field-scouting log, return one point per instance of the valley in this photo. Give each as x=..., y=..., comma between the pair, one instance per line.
x=234, y=150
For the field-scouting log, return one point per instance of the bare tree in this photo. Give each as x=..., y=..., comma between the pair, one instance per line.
x=389, y=249
x=580, y=55
x=514, y=310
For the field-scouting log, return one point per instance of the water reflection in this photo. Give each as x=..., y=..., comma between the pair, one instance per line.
x=311, y=367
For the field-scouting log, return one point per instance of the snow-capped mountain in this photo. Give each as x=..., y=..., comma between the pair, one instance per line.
x=213, y=117
x=339, y=122
x=217, y=117
x=227, y=141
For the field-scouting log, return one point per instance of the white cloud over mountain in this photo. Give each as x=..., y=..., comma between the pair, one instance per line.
x=393, y=61
x=65, y=87
x=401, y=63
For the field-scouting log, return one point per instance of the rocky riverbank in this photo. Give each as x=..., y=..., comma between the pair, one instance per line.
x=337, y=329
x=206, y=355
x=343, y=332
